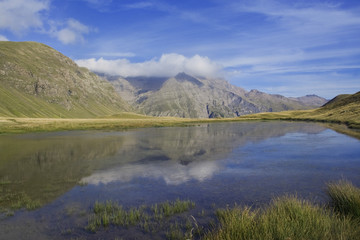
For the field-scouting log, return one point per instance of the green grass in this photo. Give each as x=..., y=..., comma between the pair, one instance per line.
x=118, y=122
x=168, y=209
x=10, y=201
x=347, y=111
x=38, y=81
x=148, y=218
x=14, y=201
x=345, y=198
x=343, y=109
x=292, y=218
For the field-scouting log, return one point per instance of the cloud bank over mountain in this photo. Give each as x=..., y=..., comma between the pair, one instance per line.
x=166, y=66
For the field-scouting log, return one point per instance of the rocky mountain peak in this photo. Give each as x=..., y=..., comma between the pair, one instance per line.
x=182, y=77
x=205, y=98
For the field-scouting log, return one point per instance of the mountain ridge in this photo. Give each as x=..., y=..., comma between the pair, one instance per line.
x=196, y=97
x=38, y=81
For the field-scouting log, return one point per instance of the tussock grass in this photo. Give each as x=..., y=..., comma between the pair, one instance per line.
x=10, y=201
x=171, y=208
x=22, y=125
x=15, y=201
x=289, y=217
x=345, y=198
x=147, y=218
x=117, y=122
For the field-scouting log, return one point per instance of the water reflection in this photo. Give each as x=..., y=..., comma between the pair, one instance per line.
x=223, y=163
x=178, y=155
x=44, y=166
x=171, y=172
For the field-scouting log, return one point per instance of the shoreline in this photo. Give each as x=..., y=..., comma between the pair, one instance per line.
x=17, y=125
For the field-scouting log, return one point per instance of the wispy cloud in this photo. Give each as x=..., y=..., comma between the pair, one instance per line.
x=21, y=15
x=168, y=65
x=100, y=5
x=276, y=60
x=114, y=54
x=72, y=32
x=303, y=18
x=139, y=5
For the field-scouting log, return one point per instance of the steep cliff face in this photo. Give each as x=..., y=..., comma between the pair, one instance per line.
x=38, y=81
x=194, y=97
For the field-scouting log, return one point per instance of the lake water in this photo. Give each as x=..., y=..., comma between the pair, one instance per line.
x=213, y=165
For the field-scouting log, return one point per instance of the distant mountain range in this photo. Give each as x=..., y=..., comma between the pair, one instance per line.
x=196, y=97
x=38, y=81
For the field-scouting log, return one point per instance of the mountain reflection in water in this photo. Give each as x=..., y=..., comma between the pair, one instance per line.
x=178, y=155
x=211, y=164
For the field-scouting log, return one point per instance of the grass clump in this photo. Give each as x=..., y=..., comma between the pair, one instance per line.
x=345, y=198
x=148, y=218
x=171, y=208
x=110, y=212
x=15, y=201
x=286, y=218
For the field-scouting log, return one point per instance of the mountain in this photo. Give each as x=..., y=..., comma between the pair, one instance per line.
x=343, y=100
x=197, y=97
x=343, y=108
x=38, y=81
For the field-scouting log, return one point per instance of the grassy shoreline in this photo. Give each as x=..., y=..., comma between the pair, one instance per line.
x=289, y=217
x=27, y=125
x=11, y=125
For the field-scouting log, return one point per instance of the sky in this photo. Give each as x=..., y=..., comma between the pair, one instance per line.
x=292, y=48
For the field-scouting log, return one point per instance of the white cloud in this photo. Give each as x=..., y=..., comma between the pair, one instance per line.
x=21, y=15
x=115, y=54
x=3, y=38
x=73, y=32
x=167, y=66
x=306, y=18
x=139, y=5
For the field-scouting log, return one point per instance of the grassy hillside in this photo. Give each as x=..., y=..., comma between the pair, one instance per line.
x=348, y=114
x=38, y=81
x=341, y=109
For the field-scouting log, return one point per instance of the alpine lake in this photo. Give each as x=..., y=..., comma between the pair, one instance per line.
x=164, y=182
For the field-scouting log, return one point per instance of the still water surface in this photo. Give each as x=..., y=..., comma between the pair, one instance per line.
x=214, y=165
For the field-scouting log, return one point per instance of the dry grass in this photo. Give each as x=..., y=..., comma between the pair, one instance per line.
x=118, y=122
x=292, y=218
x=20, y=125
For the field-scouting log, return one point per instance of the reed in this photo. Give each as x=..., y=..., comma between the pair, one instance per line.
x=146, y=217
x=289, y=217
x=345, y=198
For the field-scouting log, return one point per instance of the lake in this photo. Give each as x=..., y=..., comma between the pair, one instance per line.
x=60, y=176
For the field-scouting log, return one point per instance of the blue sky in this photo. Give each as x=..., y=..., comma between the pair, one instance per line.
x=291, y=48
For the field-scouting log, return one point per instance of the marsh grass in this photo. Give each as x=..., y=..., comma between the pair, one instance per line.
x=148, y=218
x=10, y=201
x=167, y=209
x=344, y=198
x=285, y=218
x=23, y=125
x=289, y=217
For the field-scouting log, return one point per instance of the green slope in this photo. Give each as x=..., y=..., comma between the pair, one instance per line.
x=38, y=81
x=341, y=109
